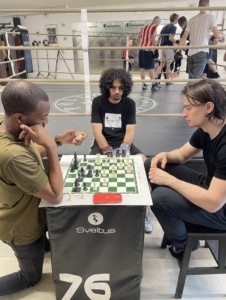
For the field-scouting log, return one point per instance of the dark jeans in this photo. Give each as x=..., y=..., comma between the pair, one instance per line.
x=196, y=64
x=174, y=212
x=30, y=258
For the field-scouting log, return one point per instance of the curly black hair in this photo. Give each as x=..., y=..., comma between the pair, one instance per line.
x=109, y=76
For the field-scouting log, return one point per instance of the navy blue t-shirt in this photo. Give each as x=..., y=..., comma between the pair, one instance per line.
x=167, y=29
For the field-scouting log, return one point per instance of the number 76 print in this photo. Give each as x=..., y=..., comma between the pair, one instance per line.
x=94, y=282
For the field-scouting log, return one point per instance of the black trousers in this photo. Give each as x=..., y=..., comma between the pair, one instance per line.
x=174, y=212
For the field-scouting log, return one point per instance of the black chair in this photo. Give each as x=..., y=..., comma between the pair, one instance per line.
x=214, y=241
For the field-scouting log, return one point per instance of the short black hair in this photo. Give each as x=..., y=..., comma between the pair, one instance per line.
x=22, y=96
x=110, y=75
x=182, y=20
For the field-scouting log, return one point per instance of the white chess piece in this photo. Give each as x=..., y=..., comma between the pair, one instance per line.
x=104, y=182
x=94, y=186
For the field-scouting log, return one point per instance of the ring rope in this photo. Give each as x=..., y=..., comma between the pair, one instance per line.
x=105, y=10
x=222, y=46
x=73, y=81
x=87, y=115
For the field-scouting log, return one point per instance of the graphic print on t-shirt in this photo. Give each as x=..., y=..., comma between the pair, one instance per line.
x=113, y=120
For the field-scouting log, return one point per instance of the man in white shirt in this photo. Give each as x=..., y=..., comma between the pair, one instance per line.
x=198, y=29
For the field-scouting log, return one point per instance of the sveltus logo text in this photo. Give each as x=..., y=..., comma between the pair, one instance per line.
x=95, y=219
x=97, y=230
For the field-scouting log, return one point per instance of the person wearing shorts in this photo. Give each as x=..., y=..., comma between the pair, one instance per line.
x=166, y=39
x=146, y=38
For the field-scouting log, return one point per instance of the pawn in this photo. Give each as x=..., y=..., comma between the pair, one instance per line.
x=104, y=174
x=89, y=174
x=94, y=186
x=84, y=187
x=104, y=183
x=72, y=169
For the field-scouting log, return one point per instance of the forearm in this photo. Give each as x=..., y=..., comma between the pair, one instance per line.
x=54, y=171
x=128, y=138
x=195, y=194
x=101, y=140
x=175, y=156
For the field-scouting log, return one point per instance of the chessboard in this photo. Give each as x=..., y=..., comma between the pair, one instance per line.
x=86, y=175
x=101, y=175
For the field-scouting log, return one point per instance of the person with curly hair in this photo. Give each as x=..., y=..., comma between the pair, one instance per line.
x=113, y=119
x=113, y=115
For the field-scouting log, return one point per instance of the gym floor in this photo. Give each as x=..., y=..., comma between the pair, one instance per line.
x=153, y=134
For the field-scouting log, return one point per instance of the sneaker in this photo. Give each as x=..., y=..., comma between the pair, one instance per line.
x=169, y=83
x=155, y=87
x=147, y=225
x=177, y=251
x=144, y=87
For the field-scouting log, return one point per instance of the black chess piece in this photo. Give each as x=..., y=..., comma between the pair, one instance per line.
x=97, y=173
x=84, y=187
x=75, y=155
x=76, y=183
x=123, y=153
x=72, y=169
x=75, y=189
x=79, y=178
x=84, y=159
x=89, y=174
x=75, y=164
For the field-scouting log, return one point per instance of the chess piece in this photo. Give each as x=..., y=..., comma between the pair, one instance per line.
x=104, y=174
x=84, y=187
x=94, y=186
x=69, y=196
x=89, y=174
x=98, y=161
x=75, y=164
x=97, y=173
x=84, y=159
x=72, y=169
x=79, y=137
x=104, y=183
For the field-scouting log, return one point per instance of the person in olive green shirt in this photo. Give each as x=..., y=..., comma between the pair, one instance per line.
x=23, y=180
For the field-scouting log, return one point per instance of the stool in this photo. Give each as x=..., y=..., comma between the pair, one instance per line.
x=216, y=242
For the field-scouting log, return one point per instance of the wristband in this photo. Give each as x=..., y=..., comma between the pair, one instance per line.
x=107, y=150
x=56, y=139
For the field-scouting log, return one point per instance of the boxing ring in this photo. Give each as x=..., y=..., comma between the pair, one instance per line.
x=160, y=126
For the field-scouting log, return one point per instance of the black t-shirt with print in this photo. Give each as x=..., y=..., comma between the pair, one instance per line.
x=113, y=117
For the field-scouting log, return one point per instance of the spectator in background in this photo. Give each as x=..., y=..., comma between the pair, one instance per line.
x=182, y=22
x=127, y=56
x=147, y=37
x=198, y=29
x=166, y=38
x=211, y=66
